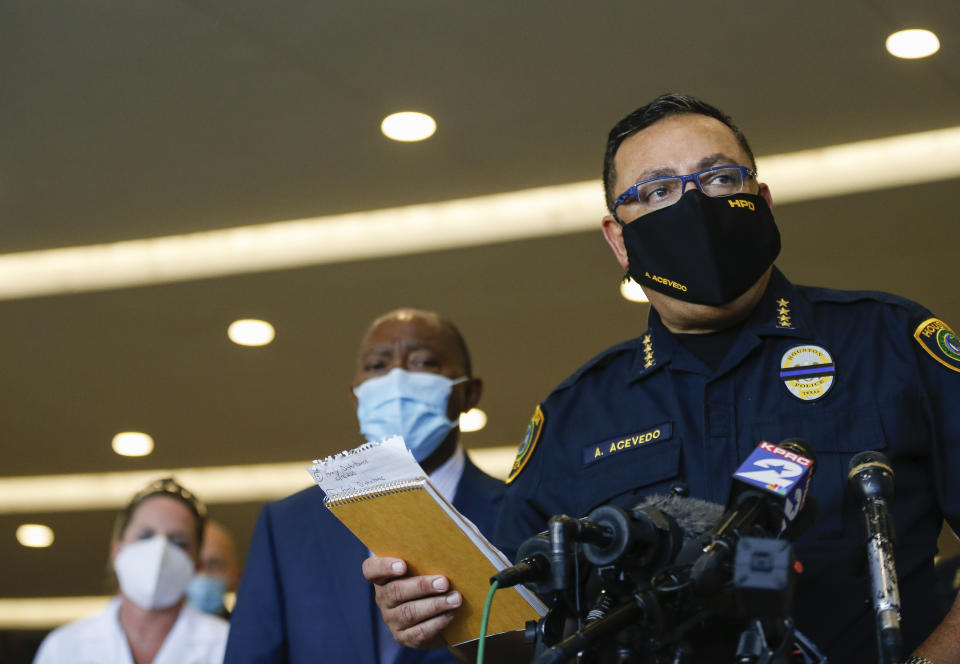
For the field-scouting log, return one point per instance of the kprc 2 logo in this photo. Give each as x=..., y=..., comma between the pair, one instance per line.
x=773, y=469
x=779, y=476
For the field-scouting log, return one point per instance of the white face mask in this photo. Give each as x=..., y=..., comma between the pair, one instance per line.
x=153, y=573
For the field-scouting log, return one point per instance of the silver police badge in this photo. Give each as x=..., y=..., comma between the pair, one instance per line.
x=808, y=372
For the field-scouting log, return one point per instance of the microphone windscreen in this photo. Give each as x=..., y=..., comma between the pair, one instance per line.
x=693, y=516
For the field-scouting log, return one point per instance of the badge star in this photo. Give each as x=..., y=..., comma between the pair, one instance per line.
x=782, y=302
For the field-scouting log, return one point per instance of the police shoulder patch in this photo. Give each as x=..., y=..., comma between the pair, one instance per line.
x=936, y=337
x=529, y=443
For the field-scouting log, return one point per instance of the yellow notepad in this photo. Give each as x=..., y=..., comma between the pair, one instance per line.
x=409, y=519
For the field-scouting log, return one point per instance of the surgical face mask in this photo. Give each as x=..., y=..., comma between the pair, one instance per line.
x=411, y=404
x=153, y=573
x=206, y=593
x=703, y=250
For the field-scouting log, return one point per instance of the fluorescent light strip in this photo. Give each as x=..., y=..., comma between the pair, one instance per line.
x=47, y=612
x=100, y=491
x=348, y=237
x=218, y=484
x=883, y=163
x=796, y=176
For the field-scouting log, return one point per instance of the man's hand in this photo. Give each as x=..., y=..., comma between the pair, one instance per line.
x=415, y=608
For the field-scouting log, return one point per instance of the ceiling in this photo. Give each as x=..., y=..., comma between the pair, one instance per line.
x=121, y=121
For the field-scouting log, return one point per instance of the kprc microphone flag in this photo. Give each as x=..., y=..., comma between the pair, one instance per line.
x=780, y=472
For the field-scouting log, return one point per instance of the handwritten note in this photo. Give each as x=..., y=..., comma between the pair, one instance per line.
x=370, y=464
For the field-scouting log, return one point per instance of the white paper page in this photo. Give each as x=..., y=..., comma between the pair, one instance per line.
x=369, y=465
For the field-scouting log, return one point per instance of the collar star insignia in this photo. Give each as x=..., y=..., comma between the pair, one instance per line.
x=783, y=314
x=649, y=361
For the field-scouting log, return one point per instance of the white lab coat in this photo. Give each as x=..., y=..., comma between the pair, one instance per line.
x=196, y=638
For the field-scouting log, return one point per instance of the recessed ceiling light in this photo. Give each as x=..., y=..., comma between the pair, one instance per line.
x=912, y=44
x=408, y=126
x=631, y=290
x=35, y=535
x=251, y=332
x=132, y=444
x=473, y=420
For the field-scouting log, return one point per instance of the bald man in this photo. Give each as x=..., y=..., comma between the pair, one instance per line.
x=302, y=597
x=218, y=572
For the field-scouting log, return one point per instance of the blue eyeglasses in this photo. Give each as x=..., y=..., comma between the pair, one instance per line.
x=660, y=192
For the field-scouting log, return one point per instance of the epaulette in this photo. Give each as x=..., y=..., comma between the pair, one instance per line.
x=817, y=294
x=601, y=361
x=932, y=334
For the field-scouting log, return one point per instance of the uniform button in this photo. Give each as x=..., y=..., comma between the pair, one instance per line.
x=718, y=419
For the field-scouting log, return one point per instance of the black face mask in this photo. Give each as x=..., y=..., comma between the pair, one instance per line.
x=701, y=249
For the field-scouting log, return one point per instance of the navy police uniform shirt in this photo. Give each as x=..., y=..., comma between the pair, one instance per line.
x=846, y=371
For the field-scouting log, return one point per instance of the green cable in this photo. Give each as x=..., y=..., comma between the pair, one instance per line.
x=486, y=618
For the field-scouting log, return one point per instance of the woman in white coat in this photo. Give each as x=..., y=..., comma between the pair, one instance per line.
x=154, y=552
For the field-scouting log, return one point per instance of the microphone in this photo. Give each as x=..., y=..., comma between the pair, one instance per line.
x=654, y=531
x=639, y=539
x=778, y=476
x=530, y=569
x=694, y=516
x=871, y=478
x=542, y=560
x=769, y=492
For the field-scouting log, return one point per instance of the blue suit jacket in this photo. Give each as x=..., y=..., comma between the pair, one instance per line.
x=303, y=597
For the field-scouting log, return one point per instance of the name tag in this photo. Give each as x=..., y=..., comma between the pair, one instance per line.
x=598, y=451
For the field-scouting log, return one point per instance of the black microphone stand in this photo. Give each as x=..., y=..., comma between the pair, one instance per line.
x=618, y=618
